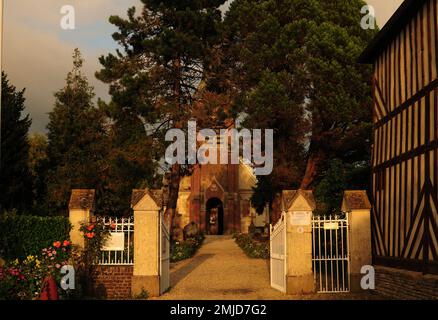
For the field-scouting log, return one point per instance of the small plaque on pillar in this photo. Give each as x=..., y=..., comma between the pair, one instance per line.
x=300, y=218
x=331, y=226
x=115, y=242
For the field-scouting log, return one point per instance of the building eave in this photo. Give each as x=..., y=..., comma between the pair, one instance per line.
x=407, y=10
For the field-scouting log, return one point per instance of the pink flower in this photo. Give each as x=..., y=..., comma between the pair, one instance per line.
x=57, y=266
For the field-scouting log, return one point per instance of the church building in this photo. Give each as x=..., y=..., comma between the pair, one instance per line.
x=217, y=198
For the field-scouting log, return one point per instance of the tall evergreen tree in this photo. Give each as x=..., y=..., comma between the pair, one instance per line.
x=15, y=185
x=38, y=166
x=76, y=140
x=294, y=62
x=154, y=81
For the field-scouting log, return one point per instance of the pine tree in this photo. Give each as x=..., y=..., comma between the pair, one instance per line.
x=294, y=62
x=15, y=185
x=154, y=81
x=76, y=140
x=38, y=166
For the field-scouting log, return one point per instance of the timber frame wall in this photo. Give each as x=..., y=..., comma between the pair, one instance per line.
x=405, y=152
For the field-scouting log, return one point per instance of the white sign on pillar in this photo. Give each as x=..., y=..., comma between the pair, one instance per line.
x=300, y=218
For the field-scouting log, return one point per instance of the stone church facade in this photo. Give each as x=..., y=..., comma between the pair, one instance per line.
x=217, y=198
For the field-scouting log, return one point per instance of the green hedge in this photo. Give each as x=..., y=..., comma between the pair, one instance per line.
x=21, y=236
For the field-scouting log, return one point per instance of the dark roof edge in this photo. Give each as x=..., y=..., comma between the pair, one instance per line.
x=399, y=19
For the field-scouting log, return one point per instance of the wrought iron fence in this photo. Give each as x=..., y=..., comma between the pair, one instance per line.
x=119, y=249
x=331, y=257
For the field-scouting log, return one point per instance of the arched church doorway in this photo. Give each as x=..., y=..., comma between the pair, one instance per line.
x=215, y=217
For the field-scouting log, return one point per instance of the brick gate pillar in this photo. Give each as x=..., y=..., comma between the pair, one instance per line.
x=81, y=209
x=299, y=205
x=357, y=205
x=147, y=205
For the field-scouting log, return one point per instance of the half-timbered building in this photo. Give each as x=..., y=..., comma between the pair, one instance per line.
x=405, y=152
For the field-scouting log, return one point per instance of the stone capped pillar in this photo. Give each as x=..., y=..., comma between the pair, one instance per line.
x=81, y=209
x=299, y=206
x=147, y=207
x=357, y=205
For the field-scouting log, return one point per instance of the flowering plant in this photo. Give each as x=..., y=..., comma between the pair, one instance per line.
x=56, y=256
x=95, y=235
x=23, y=280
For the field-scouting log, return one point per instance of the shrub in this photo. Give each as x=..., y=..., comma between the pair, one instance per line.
x=253, y=247
x=21, y=236
x=23, y=280
x=181, y=250
x=96, y=235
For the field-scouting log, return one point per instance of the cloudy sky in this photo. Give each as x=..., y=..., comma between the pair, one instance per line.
x=37, y=51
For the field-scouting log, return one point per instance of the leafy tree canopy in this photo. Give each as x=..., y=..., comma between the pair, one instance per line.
x=294, y=62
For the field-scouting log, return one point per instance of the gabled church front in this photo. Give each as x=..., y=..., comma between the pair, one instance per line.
x=217, y=198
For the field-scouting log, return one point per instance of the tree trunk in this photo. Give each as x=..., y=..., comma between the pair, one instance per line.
x=175, y=178
x=175, y=171
x=312, y=167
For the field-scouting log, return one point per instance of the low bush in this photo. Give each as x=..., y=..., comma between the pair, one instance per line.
x=181, y=250
x=23, y=279
x=21, y=236
x=254, y=246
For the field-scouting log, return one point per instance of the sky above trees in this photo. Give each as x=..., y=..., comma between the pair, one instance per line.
x=37, y=52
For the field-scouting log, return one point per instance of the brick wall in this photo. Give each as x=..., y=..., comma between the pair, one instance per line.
x=404, y=285
x=113, y=282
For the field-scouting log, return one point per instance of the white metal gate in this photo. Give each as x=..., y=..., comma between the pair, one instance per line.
x=164, y=256
x=278, y=254
x=331, y=254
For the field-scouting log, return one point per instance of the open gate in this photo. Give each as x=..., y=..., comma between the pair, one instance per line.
x=330, y=254
x=164, y=256
x=278, y=254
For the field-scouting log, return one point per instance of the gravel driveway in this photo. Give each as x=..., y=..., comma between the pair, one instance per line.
x=221, y=270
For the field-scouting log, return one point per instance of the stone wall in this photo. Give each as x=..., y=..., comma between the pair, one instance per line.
x=405, y=285
x=113, y=282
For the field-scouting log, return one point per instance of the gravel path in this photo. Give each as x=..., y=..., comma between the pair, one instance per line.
x=221, y=270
